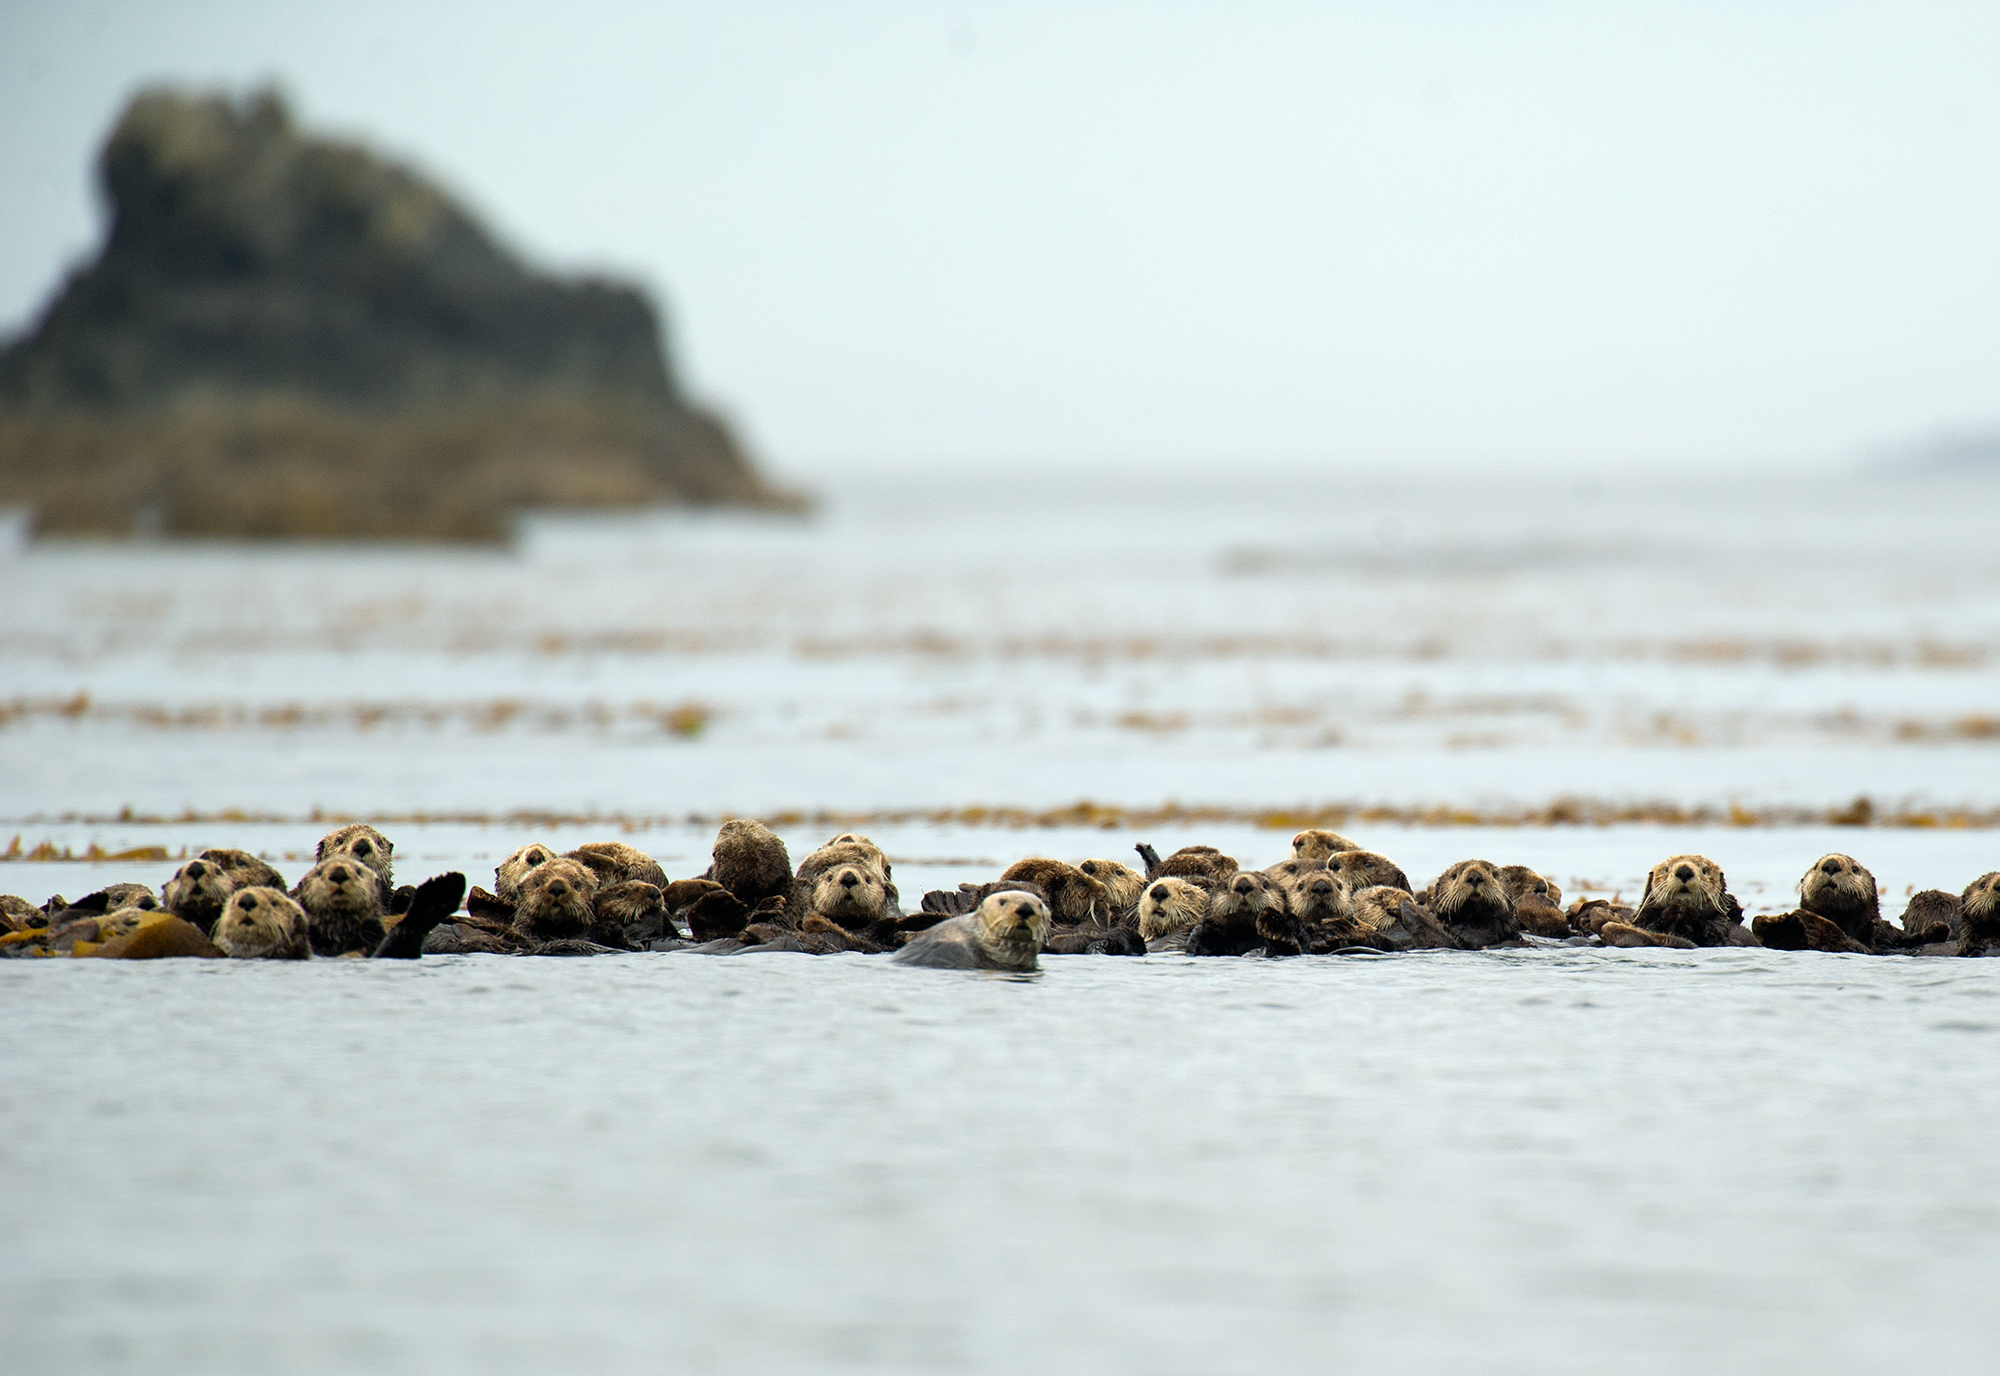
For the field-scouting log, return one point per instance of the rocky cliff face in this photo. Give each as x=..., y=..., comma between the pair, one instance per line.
x=290, y=336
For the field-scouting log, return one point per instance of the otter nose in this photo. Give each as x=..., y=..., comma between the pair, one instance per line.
x=363, y=848
x=195, y=871
x=1475, y=878
x=1322, y=886
x=1160, y=892
x=1829, y=866
x=557, y=886
x=535, y=858
x=338, y=874
x=1685, y=872
x=248, y=902
x=147, y=901
x=1243, y=886
x=849, y=879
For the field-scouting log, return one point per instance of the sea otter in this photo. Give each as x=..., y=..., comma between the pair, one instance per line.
x=1231, y=925
x=365, y=844
x=1315, y=844
x=750, y=861
x=1122, y=885
x=262, y=922
x=1537, y=903
x=1979, y=916
x=1364, y=869
x=1686, y=898
x=1189, y=862
x=197, y=892
x=1005, y=933
x=1168, y=911
x=245, y=870
x=1839, y=889
x=1474, y=906
x=1074, y=897
x=342, y=899
x=614, y=862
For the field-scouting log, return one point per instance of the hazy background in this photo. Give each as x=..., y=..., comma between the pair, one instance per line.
x=894, y=235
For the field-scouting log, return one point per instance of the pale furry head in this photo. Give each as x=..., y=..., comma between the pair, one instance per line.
x=556, y=900
x=856, y=839
x=852, y=895
x=1364, y=869
x=1380, y=905
x=1170, y=905
x=614, y=862
x=837, y=852
x=1320, y=895
x=1470, y=892
x=197, y=892
x=1013, y=918
x=365, y=844
x=1121, y=883
x=1289, y=872
x=1838, y=887
x=1315, y=844
x=509, y=873
x=1246, y=892
x=262, y=923
x=1688, y=883
x=244, y=869
x=340, y=883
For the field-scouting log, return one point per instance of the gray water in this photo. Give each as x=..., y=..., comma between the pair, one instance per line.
x=1541, y=1161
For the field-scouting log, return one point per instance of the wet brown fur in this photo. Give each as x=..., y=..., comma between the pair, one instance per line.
x=1364, y=869
x=555, y=902
x=1073, y=896
x=1472, y=903
x=615, y=863
x=197, y=892
x=510, y=873
x=245, y=870
x=750, y=861
x=1315, y=844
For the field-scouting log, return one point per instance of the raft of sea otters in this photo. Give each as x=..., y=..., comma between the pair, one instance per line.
x=1328, y=897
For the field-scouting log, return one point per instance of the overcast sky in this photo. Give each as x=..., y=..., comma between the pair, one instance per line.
x=1407, y=232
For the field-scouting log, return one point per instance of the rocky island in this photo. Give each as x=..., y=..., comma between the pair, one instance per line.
x=286, y=336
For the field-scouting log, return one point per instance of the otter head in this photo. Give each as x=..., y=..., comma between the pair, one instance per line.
x=1470, y=894
x=1170, y=905
x=1689, y=885
x=1321, y=896
x=556, y=900
x=1121, y=882
x=365, y=844
x=1522, y=882
x=836, y=853
x=750, y=860
x=1290, y=872
x=1979, y=907
x=197, y=892
x=852, y=896
x=1245, y=894
x=865, y=846
x=1014, y=922
x=340, y=883
x=509, y=873
x=1073, y=896
x=1315, y=844
x=633, y=900
x=1839, y=889
x=1198, y=862
x=261, y=923
x=1364, y=869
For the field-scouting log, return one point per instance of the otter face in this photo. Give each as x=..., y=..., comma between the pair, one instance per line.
x=635, y=900
x=244, y=869
x=1121, y=882
x=839, y=852
x=1979, y=906
x=340, y=884
x=197, y=892
x=1288, y=873
x=509, y=874
x=261, y=923
x=852, y=896
x=1838, y=887
x=1317, y=845
x=1012, y=918
x=364, y=844
x=1690, y=883
x=556, y=900
x=1520, y=882
x=1364, y=869
x=1470, y=893
x=1169, y=905
x=1320, y=896
x=1074, y=897
x=1246, y=893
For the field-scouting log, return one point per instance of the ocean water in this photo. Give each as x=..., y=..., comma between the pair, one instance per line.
x=1549, y=1160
